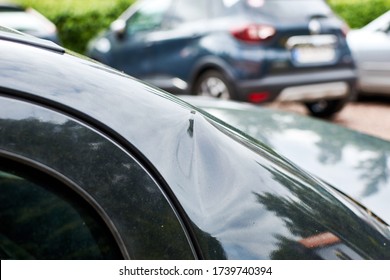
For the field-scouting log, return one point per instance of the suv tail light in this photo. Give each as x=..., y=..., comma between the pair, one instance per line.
x=254, y=33
x=345, y=29
x=258, y=97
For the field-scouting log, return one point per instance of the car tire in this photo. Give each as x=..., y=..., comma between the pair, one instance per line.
x=213, y=83
x=325, y=108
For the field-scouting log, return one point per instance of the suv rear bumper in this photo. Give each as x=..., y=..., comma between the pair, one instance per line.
x=335, y=90
x=334, y=84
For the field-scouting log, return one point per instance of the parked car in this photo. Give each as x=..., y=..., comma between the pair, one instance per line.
x=29, y=21
x=97, y=165
x=358, y=164
x=370, y=46
x=248, y=50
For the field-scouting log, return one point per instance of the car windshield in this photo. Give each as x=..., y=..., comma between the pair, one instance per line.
x=289, y=9
x=25, y=22
x=382, y=23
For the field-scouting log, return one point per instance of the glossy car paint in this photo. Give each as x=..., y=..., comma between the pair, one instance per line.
x=371, y=50
x=174, y=58
x=236, y=198
x=356, y=163
x=55, y=134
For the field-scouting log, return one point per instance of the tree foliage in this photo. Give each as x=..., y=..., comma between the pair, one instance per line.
x=78, y=21
x=358, y=13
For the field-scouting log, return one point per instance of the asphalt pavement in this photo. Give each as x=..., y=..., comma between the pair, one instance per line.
x=370, y=115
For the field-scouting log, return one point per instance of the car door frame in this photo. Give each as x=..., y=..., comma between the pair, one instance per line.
x=7, y=151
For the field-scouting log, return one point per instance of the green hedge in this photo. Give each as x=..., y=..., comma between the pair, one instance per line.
x=80, y=20
x=358, y=13
x=77, y=29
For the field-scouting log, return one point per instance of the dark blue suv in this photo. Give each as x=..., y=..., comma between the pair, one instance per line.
x=248, y=50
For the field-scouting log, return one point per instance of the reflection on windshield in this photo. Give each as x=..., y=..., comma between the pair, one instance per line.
x=322, y=226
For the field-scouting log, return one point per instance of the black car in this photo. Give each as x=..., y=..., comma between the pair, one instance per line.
x=247, y=50
x=97, y=165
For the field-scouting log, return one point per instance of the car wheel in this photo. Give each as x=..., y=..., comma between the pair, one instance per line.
x=214, y=84
x=325, y=108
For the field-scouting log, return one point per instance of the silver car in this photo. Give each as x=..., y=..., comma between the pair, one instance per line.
x=29, y=21
x=370, y=46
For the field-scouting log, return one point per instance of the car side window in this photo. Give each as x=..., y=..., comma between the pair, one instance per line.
x=149, y=17
x=189, y=10
x=223, y=8
x=42, y=219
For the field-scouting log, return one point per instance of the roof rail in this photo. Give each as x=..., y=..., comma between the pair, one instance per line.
x=12, y=35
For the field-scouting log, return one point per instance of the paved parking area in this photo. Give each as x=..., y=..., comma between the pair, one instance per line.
x=370, y=115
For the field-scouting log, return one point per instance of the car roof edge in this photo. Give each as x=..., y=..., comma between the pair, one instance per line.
x=15, y=36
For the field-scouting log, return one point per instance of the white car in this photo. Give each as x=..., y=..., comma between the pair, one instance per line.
x=29, y=21
x=370, y=46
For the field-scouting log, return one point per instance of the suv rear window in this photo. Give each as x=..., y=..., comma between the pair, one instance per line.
x=289, y=9
x=279, y=9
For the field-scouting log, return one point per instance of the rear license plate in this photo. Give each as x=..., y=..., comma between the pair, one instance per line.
x=314, y=49
x=311, y=54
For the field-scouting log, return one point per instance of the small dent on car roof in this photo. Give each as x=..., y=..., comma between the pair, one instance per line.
x=190, y=129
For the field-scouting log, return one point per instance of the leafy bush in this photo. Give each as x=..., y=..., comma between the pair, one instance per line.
x=77, y=29
x=358, y=13
x=78, y=21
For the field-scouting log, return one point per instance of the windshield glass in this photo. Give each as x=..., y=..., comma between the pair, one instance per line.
x=382, y=23
x=289, y=9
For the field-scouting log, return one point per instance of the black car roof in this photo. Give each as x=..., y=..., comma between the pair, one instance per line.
x=151, y=120
x=37, y=69
x=43, y=72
